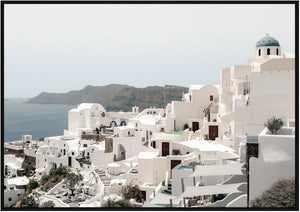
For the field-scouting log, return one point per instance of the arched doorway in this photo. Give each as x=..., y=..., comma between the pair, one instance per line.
x=113, y=124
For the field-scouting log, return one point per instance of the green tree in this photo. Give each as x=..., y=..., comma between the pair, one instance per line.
x=29, y=168
x=274, y=124
x=281, y=194
x=48, y=204
x=29, y=202
x=72, y=180
x=55, y=175
x=176, y=151
x=60, y=171
x=32, y=185
x=132, y=192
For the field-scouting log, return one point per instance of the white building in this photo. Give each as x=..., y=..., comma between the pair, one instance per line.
x=13, y=189
x=253, y=93
x=89, y=116
x=276, y=160
x=191, y=109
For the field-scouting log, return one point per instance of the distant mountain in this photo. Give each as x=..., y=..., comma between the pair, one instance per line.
x=115, y=97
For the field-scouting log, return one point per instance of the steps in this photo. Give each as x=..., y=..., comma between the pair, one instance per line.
x=169, y=189
x=105, y=180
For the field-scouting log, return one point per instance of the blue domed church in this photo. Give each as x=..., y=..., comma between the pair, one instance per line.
x=267, y=46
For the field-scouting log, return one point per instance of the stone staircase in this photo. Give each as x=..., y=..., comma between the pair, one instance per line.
x=105, y=180
x=168, y=190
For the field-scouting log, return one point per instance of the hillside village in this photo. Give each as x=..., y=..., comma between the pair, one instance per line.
x=210, y=149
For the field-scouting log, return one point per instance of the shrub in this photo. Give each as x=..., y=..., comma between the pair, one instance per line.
x=281, y=194
x=176, y=151
x=60, y=171
x=48, y=204
x=55, y=175
x=32, y=185
x=185, y=126
x=28, y=167
x=274, y=124
x=206, y=137
x=163, y=183
x=132, y=192
x=118, y=204
x=29, y=202
x=44, y=179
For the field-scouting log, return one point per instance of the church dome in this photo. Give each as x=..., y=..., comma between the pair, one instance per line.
x=267, y=41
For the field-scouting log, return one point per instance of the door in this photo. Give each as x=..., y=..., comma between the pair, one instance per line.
x=213, y=132
x=70, y=161
x=165, y=148
x=173, y=164
x=195, y=126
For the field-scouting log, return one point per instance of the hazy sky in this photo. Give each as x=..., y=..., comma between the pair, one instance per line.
x=58, y=48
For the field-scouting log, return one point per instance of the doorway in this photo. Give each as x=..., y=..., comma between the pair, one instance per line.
x=165, y=148
x=173, y=164
x=195, y=126
x=213, y=132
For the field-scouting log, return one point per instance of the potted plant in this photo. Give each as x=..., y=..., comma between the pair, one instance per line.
x=274, y=125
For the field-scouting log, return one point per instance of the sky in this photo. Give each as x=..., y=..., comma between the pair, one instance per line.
x=58, y=48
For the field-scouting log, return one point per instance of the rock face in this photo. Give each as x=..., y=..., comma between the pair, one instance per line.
x=115, y=97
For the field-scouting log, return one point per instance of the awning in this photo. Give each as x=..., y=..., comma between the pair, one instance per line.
x=216, y=170
x=206, y=146
x=164, y=199
x=227, y=117
x=191, y=191
x=149, y=205
x=227, y=155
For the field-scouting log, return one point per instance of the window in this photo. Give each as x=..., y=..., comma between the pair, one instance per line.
x=268, y=51
x=277, y=52
x=259, y=52
x=211, y=98
x=72, y=153
x=10, y=199
x=84, y=145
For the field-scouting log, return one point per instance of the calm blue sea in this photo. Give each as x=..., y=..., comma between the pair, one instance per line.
x=38, y=120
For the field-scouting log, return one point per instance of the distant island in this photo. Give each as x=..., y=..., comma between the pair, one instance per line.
x=115, y=97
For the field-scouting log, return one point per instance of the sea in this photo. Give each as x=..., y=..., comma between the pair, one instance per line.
x=38, y=120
